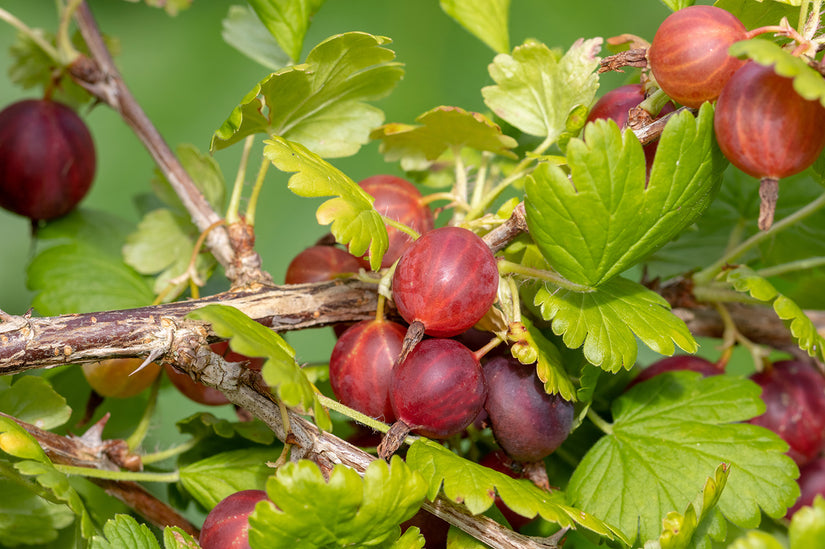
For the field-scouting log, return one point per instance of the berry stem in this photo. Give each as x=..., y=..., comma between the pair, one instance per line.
x=792, y=266
x=162, y=455
x=354, y=415
x=63, y=38
x=400, y=226
x=492, y=344
x=139, y=434
x=604, y=426
x=510, y=267
x=123, y=476
x=47, y=48
x=460, y=189
x=256, y=191
x=237, y=188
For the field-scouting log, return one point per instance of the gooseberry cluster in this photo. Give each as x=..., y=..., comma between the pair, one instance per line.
x=763, y=126
x=417, y=372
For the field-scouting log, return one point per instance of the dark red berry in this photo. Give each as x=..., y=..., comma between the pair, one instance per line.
x=447, y=279
x=319, y=264
x=361, y=364
x=689, y=53
x=399, y=200
x=227, y=524
x=811, y=484
x=434, y=529
x=528, y=423
x=794, y=395
x=47, y=159
x=677, y=363
x=439, y=389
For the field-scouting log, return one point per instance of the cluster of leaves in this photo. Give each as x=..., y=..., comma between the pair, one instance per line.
x=677, y=467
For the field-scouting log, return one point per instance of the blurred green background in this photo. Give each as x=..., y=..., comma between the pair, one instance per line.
x=188, y=80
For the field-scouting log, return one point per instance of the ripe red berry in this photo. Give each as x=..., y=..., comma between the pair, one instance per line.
x=678, y=363
x=528, y=423
x=447, y=279
x=227, y=524
x=47, y=159
x=767, y=130
x=118, y=378
x=319, y=264
x=361, y=364
x=400, y=200
x=439, y=389
x=616, y=104
x=689, y=53
x=794, y=395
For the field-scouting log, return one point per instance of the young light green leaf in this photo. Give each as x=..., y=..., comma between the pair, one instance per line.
x=175, y=538
x=58, y=486
x=355, y=222
x=441, y=129
x=756, y=539
x=322, y=102
x=17, y=442
x=162, y=245
x=212, y=479
x=345, y=511
x=487, y=20
x=410, y=539
x=287, y=21
x=680, y=421
x=243, y=30
x=124, y=531
x=806, y=81
x=682, y=531
x=608, y=184
x=33, y=400
x=536, y=89
x=529, y=346
x=807, y=527
x=247, y=337
x=802, y=328
x=475, y=486
x=608, y=320
x=28, y=519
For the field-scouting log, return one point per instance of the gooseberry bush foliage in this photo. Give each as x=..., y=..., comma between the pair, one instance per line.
x=536, y=252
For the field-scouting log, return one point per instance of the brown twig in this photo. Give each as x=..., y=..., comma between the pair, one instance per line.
x=99, y=75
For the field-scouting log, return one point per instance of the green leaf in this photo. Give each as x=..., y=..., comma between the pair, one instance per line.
x=608, y=217
x=608, y=320
x=475, y=486
x=58, y=486
x=243, y=30
x=441, y=129
x=247, y=337
x=26, y=518
x=124, y=531
x=320, y=103
x=345, y=511
x=162, y=245
x=33, y=400
x=287, y=21
x=175, y=538
x=682, y=531
x=756, y=540
x=678, y=4
x=807, y=527
x=806, y=81
x=529, y=346
x=204, y=424
x=802, y=328
x=410, y=539
x=78, y=266
x=767, y=13
x=537, y=89
x=487, y=20
x=212, y=479
x=355, y=222
x=667, y=434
